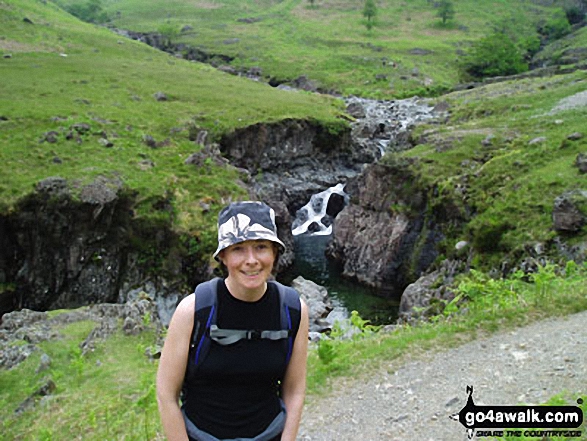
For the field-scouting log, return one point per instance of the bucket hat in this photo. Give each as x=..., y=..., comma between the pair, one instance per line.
x=248, y=220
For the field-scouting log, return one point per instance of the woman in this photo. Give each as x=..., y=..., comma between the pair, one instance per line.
x=250, y=389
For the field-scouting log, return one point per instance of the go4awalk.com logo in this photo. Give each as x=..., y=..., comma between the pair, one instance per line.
x=529, y=421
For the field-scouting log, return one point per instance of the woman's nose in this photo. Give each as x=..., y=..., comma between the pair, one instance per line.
x=251, y=255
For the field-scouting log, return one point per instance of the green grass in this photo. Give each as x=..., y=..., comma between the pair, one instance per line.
x=482, y=306
x=508, y=183
x=109, y=393
x=329, y=42
x=64, y=72
x=106, y=394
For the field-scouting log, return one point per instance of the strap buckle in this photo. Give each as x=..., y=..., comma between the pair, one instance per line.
x=253, y=334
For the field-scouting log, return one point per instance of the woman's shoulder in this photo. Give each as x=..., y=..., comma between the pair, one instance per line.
x=184, y=312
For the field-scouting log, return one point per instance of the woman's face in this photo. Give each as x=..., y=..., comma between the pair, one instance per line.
x=249, y=263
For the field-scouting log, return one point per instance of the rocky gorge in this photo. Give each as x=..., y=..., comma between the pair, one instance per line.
x=68, y=244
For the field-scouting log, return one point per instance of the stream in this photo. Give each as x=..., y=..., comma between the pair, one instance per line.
x=379, y=127
x=312, y=265
x=386, y=125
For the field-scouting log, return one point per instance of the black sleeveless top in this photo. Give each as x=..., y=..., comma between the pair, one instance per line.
x=235, y=391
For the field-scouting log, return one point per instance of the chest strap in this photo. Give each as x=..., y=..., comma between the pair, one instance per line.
x=226, y=337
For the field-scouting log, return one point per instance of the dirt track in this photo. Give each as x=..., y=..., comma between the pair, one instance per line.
x=528, y=366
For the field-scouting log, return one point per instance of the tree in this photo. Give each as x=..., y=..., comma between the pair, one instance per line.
x=91, y=11
x=446, y=10
x=492, y=56
x=369, y=12
x=555, y=27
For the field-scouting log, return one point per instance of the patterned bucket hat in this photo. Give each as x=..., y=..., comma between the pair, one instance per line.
x=249, y=220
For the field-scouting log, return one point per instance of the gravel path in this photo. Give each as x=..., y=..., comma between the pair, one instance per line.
x=571, y=102
x=527, y=365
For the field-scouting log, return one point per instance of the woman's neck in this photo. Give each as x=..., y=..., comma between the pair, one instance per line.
x=242, y=293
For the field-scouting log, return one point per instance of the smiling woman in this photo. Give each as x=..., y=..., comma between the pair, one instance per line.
x=248, y=368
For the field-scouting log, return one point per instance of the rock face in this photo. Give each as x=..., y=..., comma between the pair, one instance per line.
x=285, y=145
x=64, y=253
x=292, y=160
x=61, y=250
x=569, y=214
x=383, y=238
x=316, y=298
x=426, y=296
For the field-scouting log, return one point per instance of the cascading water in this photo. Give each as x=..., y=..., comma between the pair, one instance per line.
x=317, y=215
x=312, y=229
x=379, y=126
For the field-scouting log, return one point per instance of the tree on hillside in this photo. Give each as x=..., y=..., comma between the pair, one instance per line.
x=492, y=56
x=446, y=10
x=556, y=26
x=369, y=12
x=91, y=11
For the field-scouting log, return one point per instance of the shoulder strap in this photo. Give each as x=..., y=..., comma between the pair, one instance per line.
x=205, y=329
x=206, y=305
x=288, y=299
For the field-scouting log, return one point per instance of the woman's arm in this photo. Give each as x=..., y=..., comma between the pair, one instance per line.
x=172, y=367
x=294, y=383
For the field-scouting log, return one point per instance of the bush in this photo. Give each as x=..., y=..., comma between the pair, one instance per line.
x=555, y=27
x=487, y=235
x=492, y=56
x=90, y=12
x=574, y=15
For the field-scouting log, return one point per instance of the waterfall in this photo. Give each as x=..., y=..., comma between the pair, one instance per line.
x=316, y=216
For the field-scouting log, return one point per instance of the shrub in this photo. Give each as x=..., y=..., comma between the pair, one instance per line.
x=555, y=27
x=574, y=15
x=494, y=55
x=90, y=12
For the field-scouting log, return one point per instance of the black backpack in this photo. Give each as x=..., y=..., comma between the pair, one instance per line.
x=205, y=329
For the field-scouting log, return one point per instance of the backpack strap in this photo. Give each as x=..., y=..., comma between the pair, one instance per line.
x=288, y=299
x=205, y=329
x=206, y=308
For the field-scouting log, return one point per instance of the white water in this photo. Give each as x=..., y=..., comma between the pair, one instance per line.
x=314, y=212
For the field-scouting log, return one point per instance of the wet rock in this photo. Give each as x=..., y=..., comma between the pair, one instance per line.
x=316, y=298
x=570, y=211
x=581, y=162
x=373, y=243
x=356, y=110
x=160, y=96
x=46, y=389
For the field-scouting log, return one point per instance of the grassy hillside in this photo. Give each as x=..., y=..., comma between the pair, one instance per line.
x=408, y=51
x=504, y=156
x=58, y=72
x=62, y=72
